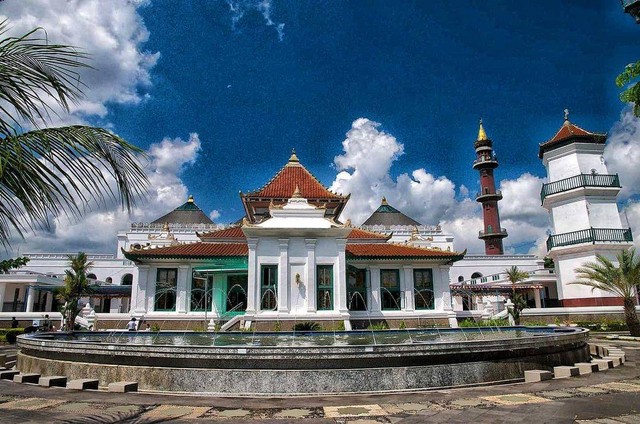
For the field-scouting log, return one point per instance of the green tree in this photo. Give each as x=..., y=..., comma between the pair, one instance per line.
x=515, y=276
x=631, y=94
x=9, y=264
x=49, y=171
x=75, y=286
x=622, y=279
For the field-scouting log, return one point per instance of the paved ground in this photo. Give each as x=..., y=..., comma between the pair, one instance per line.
x=607, y=397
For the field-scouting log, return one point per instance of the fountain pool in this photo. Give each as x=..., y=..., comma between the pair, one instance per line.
x=303, y=363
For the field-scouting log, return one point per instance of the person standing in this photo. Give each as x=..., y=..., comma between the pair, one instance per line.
x=132, y=325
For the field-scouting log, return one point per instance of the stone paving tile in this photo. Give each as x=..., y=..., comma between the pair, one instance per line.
x=619, y=386
x=168, y=412
x=412, y=407
x=623, y=419
x=592, y=390
x=124, y=408
x=515, y=399
x=469, y=403
x=77, y=407
x=229, y=413
x=557, y=394
x=294, y=413
x=31, y=404
x=353, y=411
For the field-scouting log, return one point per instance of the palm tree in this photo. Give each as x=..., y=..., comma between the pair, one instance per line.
x=514, y=276
x=75, y=286
x=49, y=171
x=622, y=279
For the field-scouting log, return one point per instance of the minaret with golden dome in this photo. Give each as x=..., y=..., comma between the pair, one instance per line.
x=485, y=163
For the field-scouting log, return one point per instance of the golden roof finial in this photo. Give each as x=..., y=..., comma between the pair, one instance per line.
x=294, y=158
x=190, y=199
x=384, y=201
x=296, y=193
x=482, y=135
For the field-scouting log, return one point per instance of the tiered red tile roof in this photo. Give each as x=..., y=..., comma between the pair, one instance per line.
x=191, y=250
x=388, y=250
x=569, y=133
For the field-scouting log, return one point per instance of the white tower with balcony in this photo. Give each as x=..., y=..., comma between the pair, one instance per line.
x=581, y=199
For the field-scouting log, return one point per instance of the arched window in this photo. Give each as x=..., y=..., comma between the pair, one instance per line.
x=109, y=280
x=476, y=275
x=91, y=277
x=127, y=279
x=489, y=228
x=460, y=278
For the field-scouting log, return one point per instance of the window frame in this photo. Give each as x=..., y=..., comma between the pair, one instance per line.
x=324, y=288
x=272, y=285
x=430, y=301
x=388, y=293
x=159, y=283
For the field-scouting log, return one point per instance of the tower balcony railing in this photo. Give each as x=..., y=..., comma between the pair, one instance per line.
x=577, y=181
x=486, y=160
x=498, y=232
x=590, y=235
x=480, y=195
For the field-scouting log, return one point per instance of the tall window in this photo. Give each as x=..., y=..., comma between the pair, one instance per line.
x=390, y=288
x=127, y=279
x=237, y=293
x=356, y=290
x=201, y=288
x=423, y=288
x=166, y=286
x=324, y=279
x=268, y=287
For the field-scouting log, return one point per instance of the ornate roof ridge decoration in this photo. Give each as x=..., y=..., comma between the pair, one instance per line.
x=569, y=132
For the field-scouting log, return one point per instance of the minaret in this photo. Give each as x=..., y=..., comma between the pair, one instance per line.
x=581, y=199
x=485, y=163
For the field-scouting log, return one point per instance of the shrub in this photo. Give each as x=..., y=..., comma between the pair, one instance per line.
x=155, y=327
x=382, y=325
x=12, y=335
x=306, y=326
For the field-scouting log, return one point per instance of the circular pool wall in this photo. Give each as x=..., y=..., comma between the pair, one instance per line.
x=302, y=368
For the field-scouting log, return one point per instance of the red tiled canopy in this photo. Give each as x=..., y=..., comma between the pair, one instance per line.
x=226, y=233
x=192, y=250
x=386, y=250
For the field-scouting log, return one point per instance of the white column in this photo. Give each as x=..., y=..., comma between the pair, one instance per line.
x=375, y=289
x=407, y=286
x=182, y=289
x=49, y=305
x=536, y=297
x=253, y=278
x=139, y=290
x=311, y=275
x=283, y=276
x=30, y=299
x=339, y=279
x=3, y=289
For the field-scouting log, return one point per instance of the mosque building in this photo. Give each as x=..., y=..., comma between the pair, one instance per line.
x=291, y=259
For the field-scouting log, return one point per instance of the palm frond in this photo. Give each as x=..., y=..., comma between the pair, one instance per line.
x=620, y=279
x=59, y=170
x=32, y=72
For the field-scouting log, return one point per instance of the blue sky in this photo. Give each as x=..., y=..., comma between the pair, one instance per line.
x=256, y=79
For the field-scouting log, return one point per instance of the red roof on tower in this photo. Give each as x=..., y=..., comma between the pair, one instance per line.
x=570, y=133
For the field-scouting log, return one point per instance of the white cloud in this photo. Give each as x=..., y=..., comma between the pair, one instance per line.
x=622, y=153
x=239, y=8
x=96, y=230
x=111, y=32
x=214, y=215
x=365, y=172
x=631, y=215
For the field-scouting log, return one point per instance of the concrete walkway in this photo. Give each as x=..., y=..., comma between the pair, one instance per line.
x=611, y=396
